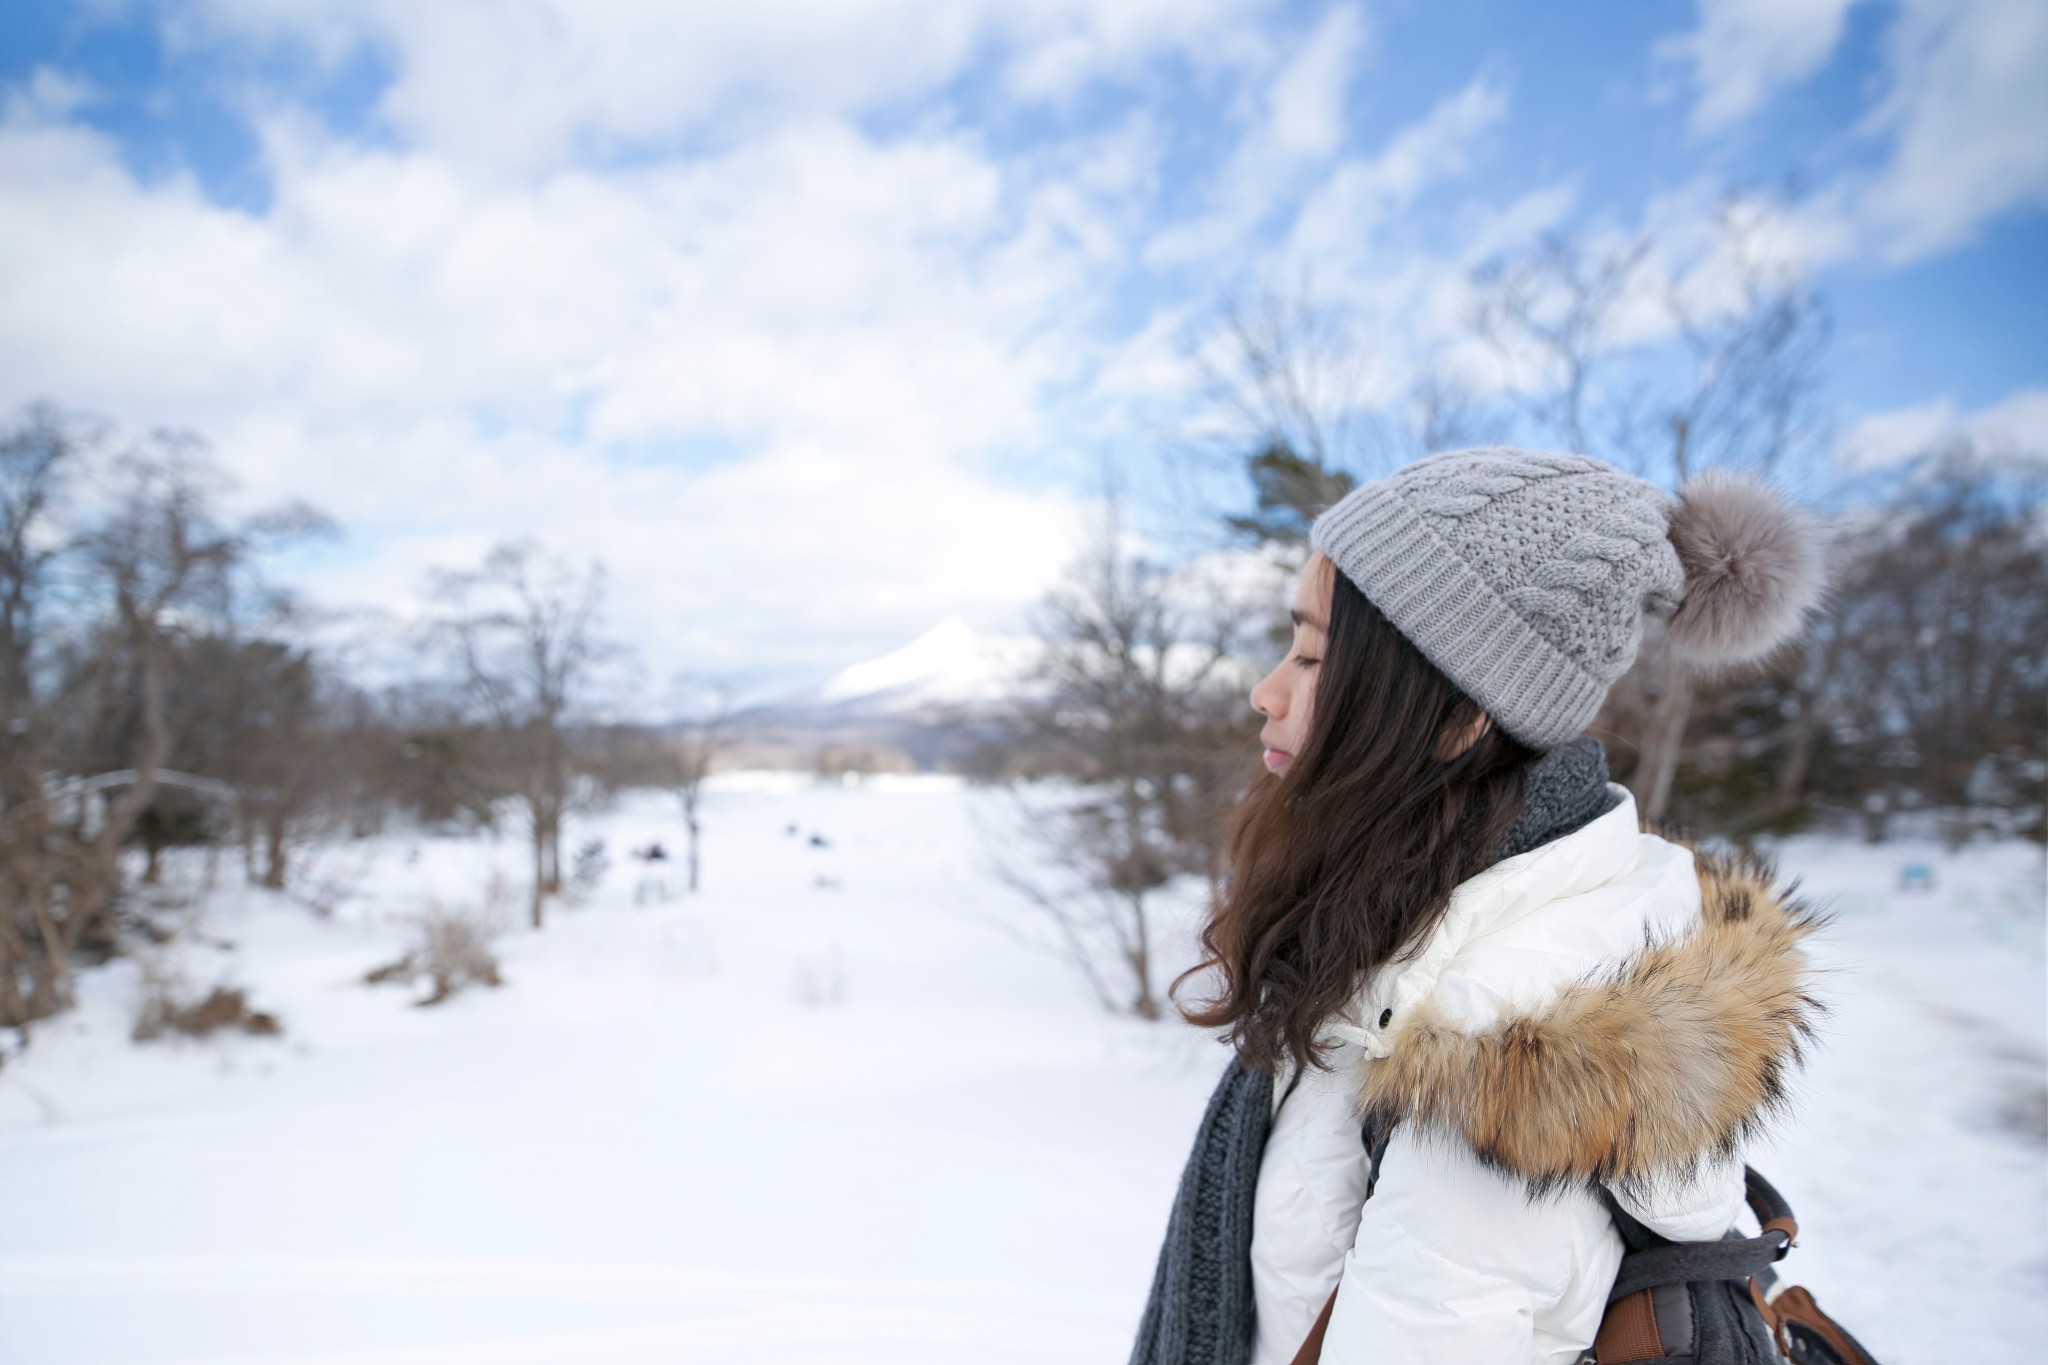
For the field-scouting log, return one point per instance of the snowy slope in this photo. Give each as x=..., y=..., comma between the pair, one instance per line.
x=831, y=1112
x=952, y=664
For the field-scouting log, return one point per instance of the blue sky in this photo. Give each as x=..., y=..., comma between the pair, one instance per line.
x=814, y=319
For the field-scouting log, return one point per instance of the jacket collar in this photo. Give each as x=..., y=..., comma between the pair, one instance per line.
x=1589, y=856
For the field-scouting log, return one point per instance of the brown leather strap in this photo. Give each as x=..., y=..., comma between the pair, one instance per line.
x=1795, y=1304
x=1769, y=1312
x=1785, y=1225
x=1629, y=1331
x=1312, y=1345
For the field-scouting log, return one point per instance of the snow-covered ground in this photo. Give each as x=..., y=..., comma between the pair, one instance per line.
x=830, y=1111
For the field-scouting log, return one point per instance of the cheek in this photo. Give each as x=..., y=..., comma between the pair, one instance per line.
x=1301, y=701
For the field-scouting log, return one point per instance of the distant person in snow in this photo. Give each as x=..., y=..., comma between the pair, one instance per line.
x=653, y=881
x=1466, y=992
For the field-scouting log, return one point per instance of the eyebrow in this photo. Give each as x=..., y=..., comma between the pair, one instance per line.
x=1302, y=618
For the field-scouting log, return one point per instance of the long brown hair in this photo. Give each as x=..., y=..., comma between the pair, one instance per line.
x=1350, y=855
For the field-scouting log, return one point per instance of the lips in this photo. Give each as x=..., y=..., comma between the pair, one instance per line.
x=1277, y=759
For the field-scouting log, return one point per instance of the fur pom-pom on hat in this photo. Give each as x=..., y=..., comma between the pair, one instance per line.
x=1752, y=570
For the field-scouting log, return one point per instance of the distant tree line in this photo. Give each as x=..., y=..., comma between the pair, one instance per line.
x=1922, y=690
x=157, y=691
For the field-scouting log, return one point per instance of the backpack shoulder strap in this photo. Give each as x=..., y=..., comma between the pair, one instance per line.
x=1653, y=1260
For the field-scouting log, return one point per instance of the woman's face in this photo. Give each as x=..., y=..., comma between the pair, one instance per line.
x=1285, y=695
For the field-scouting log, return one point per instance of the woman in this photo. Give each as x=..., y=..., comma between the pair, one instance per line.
x=1460, y=982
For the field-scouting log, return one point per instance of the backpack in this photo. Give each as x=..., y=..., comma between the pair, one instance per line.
x=1690, y=1303
x=1716, y=1303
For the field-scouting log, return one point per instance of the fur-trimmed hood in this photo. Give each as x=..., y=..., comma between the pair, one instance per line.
x=1640, y=1069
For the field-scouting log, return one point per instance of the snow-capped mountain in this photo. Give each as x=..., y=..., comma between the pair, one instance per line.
x=951, y=665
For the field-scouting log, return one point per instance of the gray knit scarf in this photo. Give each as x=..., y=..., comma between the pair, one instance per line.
x=1200, y=1309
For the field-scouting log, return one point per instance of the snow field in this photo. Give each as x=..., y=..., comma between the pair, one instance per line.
x=1917, y=1154
x=851, y=1122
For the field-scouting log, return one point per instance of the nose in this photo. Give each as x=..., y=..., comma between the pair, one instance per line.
x=1268, y=698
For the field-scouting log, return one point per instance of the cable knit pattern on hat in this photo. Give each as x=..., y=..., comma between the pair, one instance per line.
x=1523, y=575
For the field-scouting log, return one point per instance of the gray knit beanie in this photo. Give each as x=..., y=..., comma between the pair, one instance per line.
x=1525, y=576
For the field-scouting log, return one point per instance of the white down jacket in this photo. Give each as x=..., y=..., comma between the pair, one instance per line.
x=1609, y=1008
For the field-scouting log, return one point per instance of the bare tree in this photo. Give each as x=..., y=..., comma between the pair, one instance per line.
x=1738, y=392
x=524, y=630
x=1938, y=692
x=269, y=718
x=1922, y=688
x=1549, y=314
x=688, y=753
x=95, y=616
x=1284, y=373
x=1445, y=414
x=1296, y=404
x=37, y=460
x=1139, y=702
x=428, y=753
x=1279, y=384
x=158, y=560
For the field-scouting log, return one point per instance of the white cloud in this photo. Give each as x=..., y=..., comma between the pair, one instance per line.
x=2015, y=425
x=1055, y=48
x=1307, y=100
x=1961, y=103
x=522, y=87
x=1967, y=101
x=1330, y=209
x=1887, y=438
x=852, y=329
x=1289, y=130
x=1712, y=253
x=796, y=559
x=1744, y=51
x=814, y=285
x=1404, y=297
x=1338, y=219
x=1390, y=296
x=51, y=94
